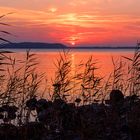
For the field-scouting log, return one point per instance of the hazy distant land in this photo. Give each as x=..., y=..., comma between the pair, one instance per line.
x=39, y=45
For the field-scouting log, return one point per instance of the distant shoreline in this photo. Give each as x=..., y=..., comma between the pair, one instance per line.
x=76, y=48
x=38, y=45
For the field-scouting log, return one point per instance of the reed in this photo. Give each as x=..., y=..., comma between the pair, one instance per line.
x=20, y=82
x=89, y=81
x=63, y=78
x=28, y=84
x=133, y=72
x=4, y=32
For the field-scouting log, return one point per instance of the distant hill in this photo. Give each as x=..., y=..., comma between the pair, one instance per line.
x=39, y=45
x=33, y=45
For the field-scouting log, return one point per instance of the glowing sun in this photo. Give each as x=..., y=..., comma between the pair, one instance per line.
x=53, y=10
x=73, y=43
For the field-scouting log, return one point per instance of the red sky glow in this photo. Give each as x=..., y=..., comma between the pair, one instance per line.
x=73, y=22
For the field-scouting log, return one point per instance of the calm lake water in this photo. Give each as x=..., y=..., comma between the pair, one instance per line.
x=47, y=58
x=103, y=58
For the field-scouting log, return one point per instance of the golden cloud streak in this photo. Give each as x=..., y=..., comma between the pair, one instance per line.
x=74, y=27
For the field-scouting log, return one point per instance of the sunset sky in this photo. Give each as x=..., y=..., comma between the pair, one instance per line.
x=73, y=22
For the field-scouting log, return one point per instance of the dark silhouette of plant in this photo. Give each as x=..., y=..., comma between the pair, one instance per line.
x=4, y=40
x=89, y=81
x=119, y=76
x=134, y=72
x=63, y=78
x=29, y=84
x=20, y=84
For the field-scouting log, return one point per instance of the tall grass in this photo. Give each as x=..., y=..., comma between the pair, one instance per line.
x=3, y=57
x=63, y=79
x=4, y=32
x=28, y=83
x=20, y=83
x=89, y=80
x=134, y=72
x=24, y=81
x=68, y=81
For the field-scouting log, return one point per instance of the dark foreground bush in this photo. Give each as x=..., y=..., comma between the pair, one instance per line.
x=58, y=120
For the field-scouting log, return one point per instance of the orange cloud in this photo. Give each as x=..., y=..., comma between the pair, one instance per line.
x=79, y=28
